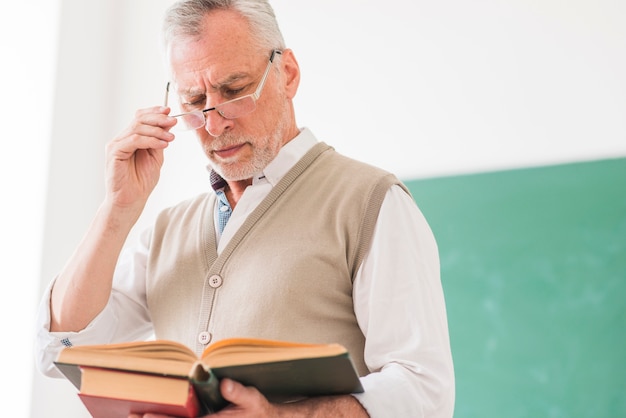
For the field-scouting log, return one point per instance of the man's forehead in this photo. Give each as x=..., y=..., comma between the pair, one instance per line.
x=211, y=79
x=224, y=53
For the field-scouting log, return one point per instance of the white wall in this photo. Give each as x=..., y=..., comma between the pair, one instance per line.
x=420, y=88
x=436, y=87
x=28, y=51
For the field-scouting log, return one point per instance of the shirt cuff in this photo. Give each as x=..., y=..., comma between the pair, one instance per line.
x=48, y=344
x=396, y=392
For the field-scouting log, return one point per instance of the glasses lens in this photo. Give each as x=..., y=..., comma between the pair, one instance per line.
x=190, y=121
x=237, y=108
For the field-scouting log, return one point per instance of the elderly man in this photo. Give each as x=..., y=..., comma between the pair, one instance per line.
x=294, y=242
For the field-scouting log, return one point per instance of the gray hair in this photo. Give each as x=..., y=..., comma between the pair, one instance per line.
x=184, y=19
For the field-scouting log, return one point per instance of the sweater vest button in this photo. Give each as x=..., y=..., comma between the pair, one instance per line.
x=215, y=281
x=204, y=337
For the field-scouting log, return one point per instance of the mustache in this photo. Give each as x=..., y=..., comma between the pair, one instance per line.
x=227, y=140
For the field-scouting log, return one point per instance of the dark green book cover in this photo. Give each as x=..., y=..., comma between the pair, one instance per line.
x=285, y=381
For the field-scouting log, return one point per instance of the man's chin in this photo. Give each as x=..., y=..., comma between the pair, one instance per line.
x=233, y=171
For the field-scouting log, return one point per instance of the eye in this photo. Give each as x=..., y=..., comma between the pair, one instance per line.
x=233, y=93
x=193, y=103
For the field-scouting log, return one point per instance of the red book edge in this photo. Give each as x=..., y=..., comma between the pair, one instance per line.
x=102, y=407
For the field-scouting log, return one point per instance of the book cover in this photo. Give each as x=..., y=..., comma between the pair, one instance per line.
x=117, y=393
x=106, y=407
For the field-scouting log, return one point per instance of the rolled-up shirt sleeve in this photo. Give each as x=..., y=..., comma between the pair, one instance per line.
x=400, y=307
x=124, y=318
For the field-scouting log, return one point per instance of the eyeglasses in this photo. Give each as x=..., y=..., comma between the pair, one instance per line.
x=231, y=109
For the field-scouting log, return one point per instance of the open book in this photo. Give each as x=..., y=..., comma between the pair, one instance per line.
x=281, y=370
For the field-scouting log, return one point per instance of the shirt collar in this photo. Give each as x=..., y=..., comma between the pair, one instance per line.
x=217, y=182
x=287, y=157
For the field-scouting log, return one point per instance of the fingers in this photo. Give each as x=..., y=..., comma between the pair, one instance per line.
x=230, y=389
x=134, y=158
x=243, y=398
x=148, y=130
x=156, y=116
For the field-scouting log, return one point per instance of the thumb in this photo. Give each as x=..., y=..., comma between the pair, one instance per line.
x=232, y=391
x=245, y=400
x=240, y=395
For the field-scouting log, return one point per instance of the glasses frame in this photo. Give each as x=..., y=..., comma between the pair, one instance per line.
x=255, y=96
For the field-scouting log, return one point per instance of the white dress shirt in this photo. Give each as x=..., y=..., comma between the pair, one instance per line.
x=398, y=302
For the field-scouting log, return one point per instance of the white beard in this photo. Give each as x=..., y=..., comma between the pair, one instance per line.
x=264, y=151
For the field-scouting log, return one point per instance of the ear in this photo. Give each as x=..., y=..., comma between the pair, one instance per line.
x=291, y=71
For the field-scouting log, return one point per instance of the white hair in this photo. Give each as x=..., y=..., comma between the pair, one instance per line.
x=185, y=19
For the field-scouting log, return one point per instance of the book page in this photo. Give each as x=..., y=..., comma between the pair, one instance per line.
x=163, y=357
x=241, y=351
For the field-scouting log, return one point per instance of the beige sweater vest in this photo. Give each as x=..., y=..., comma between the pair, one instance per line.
x=286, y=274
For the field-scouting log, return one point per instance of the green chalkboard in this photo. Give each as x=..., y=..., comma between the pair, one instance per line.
x=533, y=265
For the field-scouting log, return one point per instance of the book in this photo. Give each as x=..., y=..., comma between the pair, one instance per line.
x=103, y=407
x=282, y=371
x=109, y=393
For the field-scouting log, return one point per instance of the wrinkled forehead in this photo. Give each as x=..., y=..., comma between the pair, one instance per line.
x=224, y=48
x=193, y=70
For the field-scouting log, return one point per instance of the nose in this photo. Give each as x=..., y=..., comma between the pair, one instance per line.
x=215, y=124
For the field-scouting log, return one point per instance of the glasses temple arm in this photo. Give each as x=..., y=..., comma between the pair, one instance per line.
x=167, y=93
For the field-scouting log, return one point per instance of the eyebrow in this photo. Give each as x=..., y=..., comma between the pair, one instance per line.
x=233, y=78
